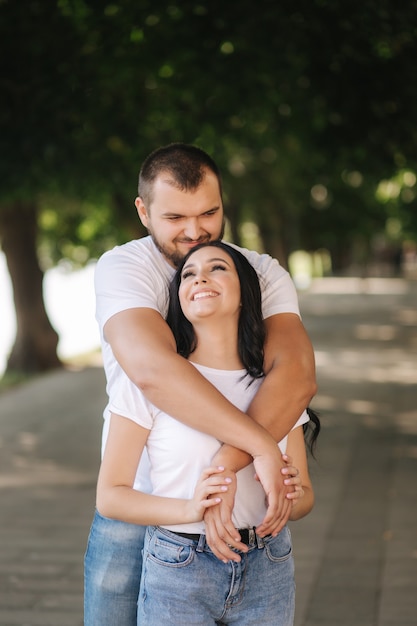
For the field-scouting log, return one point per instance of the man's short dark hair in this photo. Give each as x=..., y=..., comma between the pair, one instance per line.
x=185, y=166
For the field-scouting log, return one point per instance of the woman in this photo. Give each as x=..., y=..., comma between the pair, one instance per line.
x=215, y=315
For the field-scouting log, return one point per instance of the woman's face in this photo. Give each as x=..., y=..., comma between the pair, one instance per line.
x=209, y=285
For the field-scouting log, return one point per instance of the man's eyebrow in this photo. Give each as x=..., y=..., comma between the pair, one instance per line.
x=174, y=214
x=214, y=208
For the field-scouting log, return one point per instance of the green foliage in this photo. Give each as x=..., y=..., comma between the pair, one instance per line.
x=306, y=107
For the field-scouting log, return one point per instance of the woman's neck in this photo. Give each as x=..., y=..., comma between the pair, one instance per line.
x=217, y=347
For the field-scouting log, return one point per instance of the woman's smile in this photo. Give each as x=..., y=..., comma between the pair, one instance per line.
x=199, y=295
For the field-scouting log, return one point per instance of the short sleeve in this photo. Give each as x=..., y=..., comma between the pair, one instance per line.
x=128, y=401
x=303, y=419
x=120, y=286
x=130, y=276
x=279, y=294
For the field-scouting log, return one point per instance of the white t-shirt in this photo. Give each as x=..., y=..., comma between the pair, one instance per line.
x=136, y=275
x=178, y=454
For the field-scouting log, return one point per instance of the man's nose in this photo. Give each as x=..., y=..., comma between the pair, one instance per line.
x=192, y=229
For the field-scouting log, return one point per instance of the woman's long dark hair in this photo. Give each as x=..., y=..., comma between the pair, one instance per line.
x=251, y=327
x=311, y=430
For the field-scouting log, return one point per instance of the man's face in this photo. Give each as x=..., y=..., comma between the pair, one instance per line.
x=179, y=220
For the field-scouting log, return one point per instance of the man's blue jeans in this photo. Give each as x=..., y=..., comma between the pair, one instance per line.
x=184, y=584
x=112, y=570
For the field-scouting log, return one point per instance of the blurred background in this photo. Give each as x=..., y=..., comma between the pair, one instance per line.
x=308, y=108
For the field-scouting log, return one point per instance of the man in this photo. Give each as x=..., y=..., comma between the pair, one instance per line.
x=180, y=204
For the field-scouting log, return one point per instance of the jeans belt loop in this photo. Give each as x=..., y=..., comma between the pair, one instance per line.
x=260, y=542
x=201, y=543
x=252, y=536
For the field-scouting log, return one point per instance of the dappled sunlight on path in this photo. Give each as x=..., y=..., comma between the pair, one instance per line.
x=355, y=554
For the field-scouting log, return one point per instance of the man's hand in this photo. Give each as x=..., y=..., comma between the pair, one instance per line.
x=220, y=531
x=268, y=471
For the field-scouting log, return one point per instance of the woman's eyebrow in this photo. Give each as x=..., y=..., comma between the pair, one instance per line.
x=213, y=260
x=218, y=259
x=188, y=265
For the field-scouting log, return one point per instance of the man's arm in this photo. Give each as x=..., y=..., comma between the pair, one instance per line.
x=288, y=387
x=145, y=348
x=289, y=384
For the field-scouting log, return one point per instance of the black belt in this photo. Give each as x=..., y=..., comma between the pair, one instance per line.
x=247, y=535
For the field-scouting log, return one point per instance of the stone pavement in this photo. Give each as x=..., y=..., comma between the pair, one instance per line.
x=356, y=553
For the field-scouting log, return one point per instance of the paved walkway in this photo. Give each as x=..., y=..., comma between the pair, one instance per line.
x=356, y=554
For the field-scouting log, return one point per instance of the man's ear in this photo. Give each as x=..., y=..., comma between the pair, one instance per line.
x=143, y=215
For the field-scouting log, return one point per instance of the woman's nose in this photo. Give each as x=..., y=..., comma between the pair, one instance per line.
x=200, y=279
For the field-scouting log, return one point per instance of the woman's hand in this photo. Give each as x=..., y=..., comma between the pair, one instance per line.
x=221, y=535
x=212, y=482
x=292, y=479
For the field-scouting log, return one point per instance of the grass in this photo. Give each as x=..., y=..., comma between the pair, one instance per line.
x=13, y=379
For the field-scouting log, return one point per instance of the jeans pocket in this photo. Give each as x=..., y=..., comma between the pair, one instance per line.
x=166, y=551
x=279, y=548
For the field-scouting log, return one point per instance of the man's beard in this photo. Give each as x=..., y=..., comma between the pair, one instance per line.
x=175, y=257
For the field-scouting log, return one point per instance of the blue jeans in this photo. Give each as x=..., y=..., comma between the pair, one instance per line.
x=184, y=584
x=112, y=569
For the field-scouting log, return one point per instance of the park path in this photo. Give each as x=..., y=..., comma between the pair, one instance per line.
x=356, y=553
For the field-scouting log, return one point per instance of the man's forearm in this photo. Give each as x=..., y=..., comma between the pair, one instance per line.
x=277, y=417
x=144, y=346
x=200, y=405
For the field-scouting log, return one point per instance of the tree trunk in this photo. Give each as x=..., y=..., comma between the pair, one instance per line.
x=35, y=347
x=271, y=229
x=233, y=218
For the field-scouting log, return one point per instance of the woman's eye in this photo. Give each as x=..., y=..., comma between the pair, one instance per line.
x=186, y=275
x=218, y=267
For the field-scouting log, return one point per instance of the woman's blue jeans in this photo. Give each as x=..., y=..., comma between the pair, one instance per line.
x=184, y=584
x=112, y=570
